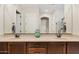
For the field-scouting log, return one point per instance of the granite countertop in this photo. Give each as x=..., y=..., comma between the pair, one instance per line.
x=43, y=38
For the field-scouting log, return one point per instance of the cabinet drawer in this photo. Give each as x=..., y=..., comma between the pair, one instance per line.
x=37, y=45
x=3, y=47
x=37, y=50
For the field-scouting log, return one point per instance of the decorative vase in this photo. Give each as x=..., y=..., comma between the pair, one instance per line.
x=37, y=33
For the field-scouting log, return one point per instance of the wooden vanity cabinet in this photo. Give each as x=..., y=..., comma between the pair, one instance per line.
x=73, y=48
x=37, y=48
x=17, y=48
x=3, y=48
x=56, y=48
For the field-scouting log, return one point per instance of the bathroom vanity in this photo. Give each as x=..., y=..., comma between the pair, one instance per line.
x=43, y=45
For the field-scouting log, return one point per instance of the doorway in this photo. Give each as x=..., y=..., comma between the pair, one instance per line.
x=44, y=25
x=18, y=22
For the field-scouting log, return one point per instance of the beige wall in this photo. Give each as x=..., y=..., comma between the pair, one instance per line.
x=1, y=19
x=68, y=17
x=76, y=19
x=72, y=18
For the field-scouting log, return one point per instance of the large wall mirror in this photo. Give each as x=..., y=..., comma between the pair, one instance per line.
x=36, y=16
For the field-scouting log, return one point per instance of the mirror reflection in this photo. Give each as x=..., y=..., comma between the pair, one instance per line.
x=27, y=18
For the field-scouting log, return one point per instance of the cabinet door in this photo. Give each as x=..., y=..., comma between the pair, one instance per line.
x=3, y=48
x=73, y=48
x=17, y=48
x=56, y=48
x=37, y=48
